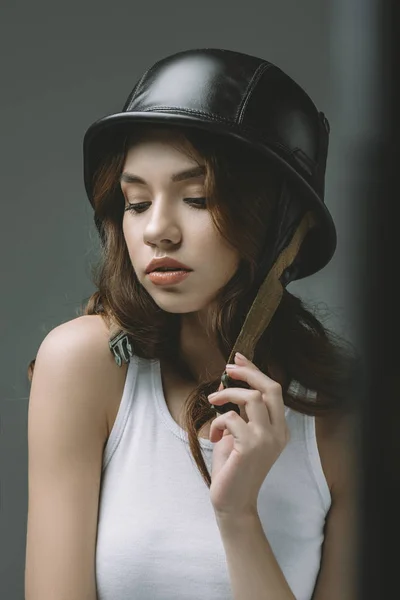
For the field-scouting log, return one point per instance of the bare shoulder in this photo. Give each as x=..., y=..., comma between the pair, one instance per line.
x=84, y=341
x=91, y=327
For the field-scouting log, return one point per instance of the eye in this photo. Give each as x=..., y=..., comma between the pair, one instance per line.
x=138, y=207
x=196, y=202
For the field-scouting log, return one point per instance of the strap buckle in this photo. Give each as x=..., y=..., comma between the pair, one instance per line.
x=121, y=347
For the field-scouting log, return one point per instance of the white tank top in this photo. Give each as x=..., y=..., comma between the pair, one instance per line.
x=157, y=535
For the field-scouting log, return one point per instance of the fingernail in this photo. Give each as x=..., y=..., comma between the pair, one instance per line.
x=240, y=355
x=229, y=367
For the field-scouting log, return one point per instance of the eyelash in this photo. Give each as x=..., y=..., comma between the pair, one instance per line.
x=190, y=201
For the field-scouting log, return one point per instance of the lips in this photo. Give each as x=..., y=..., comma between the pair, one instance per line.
x=166, y=264
x=168, y=278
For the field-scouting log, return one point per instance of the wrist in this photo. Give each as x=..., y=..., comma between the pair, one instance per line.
x=237, y=520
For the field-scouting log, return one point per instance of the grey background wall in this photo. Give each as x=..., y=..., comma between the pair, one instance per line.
x=63, y=67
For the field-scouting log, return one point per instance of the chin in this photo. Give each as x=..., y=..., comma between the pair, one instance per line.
x=179, y=303
x=179, y=307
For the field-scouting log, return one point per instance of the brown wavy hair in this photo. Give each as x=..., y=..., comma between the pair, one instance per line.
x=241, y=195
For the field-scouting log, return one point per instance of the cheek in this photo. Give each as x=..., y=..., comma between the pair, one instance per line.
x=131, y=240
x=207, y=235
x=219, y=248
x=228, y=262
x=221, y=255
x=125, y=229
x=129, y=231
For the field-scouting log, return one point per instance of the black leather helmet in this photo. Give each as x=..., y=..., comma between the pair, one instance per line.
x=249, y=99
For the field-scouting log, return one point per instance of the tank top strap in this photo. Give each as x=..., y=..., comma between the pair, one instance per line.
x=124, y=410
x=302, y=426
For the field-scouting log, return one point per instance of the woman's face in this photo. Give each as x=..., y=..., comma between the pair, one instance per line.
x=166, y=218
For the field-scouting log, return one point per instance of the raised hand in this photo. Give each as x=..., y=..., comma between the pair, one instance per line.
x=245, y=452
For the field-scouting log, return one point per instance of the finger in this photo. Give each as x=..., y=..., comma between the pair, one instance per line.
x=256, y=409
x=245, y=370
x=271, y=391
x=231, y=422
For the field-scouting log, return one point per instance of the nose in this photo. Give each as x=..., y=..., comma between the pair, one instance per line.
x=162, y=229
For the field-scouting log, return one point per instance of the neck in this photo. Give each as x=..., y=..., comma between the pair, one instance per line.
x=200, y=352
x=199, y=348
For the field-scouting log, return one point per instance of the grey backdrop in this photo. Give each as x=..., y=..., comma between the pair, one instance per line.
x=61, y=70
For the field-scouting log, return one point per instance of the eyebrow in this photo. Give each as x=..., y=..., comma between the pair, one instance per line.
x=181, y=176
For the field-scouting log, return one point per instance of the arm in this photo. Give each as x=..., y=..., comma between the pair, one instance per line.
x=253, y=569
x=66, y=433
x=337, y=577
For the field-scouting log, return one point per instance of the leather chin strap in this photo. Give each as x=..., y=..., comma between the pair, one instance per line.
x=266, y=302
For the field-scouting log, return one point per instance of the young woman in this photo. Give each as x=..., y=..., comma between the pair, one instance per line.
x=189, y=434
